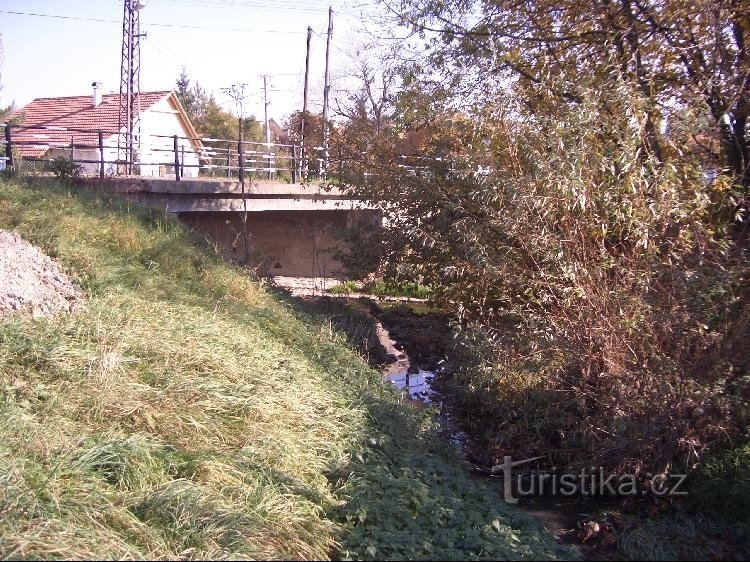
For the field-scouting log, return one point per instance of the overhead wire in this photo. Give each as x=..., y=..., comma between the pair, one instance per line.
x=152, y=24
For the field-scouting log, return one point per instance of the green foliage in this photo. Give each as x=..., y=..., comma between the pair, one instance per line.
x=218, y=123
x=209, y=118
x=722, y=485
x=186, y=412
x=573, y=257
x=346, y=288
x=407, y=290
x=383, y=289
x=680, y=536
x=193, y=99
x=548, y=52
x=65, y=169
x=404, y=506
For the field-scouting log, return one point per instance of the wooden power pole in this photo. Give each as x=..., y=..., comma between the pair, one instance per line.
x=304, y=105
x=326, y=90
x=268, y=129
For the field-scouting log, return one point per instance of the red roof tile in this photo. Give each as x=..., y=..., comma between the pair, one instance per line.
x=74, y=112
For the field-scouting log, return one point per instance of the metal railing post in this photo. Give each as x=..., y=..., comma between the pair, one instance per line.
x=101, y=154
x=8, y=149
x=176, y=160
x=294, y=163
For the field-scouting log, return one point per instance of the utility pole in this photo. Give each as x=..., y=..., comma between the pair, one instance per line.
x=130, y=84
x=265, y=108
x=265, y=116
x=304, y=105
x=326, y=89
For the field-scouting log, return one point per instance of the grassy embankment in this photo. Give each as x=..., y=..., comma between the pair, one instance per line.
x=189, y=413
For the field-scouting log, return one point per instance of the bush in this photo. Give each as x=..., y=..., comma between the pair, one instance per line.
x=405, y=290
x=345, y=288
x=722, y=485
x=593, y=280
x=65, y=169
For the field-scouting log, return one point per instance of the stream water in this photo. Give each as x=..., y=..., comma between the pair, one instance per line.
x=399, y=370
x=418, y=385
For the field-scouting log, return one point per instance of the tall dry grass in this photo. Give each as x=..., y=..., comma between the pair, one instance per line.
x=188, y=413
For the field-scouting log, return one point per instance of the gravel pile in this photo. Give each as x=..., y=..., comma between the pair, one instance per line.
x=31, y=282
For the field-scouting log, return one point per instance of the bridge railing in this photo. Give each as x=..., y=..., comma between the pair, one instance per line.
x=106, y=153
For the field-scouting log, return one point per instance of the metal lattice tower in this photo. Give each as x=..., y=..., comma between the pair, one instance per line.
x=130, y=85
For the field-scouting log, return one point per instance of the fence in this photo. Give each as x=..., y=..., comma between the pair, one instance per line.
x=102, y=152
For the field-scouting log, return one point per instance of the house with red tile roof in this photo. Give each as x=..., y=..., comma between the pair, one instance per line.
x=69, y=126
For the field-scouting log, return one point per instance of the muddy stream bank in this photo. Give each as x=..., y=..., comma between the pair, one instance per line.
x=409, y=344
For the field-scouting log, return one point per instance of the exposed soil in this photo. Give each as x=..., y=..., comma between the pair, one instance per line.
x=424, y=337
x=32, y=283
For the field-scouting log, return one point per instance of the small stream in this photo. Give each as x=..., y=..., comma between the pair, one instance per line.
x=418, y=384
x=399, y=369
x=561, y=518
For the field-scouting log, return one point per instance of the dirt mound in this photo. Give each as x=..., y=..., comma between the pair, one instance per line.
x=31, y=282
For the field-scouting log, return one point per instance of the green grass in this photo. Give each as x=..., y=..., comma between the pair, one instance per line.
x=382, y=289
x=189, y=413
x=713, y=523
x=722, y=486
x=408, y=290
x=346, y=288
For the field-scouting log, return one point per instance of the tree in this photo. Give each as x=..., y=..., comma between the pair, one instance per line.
x=368, y=108
x=370, y=104
x=313, y=141
x=679, y=53
x=580, y=245
x=209, y=118
x=216, y=122
x=194, y=99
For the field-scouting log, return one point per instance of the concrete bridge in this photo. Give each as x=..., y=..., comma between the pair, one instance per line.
x=294, y=229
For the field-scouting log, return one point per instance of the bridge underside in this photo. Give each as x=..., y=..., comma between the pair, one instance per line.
x=288, y=243
x=294, y=229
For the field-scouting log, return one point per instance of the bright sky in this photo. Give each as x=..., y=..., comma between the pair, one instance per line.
x=219, y=42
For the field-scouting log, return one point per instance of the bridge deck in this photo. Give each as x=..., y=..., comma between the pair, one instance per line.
x=226, y=195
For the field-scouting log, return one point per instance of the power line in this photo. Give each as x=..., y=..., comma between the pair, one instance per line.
x=323, y=36
x=293, y=5
x=152, y=24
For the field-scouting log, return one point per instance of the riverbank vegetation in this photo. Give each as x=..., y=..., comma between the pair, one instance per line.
x=186, y=412
x=571, y=180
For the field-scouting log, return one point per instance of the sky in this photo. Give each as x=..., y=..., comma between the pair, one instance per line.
x=218, y=42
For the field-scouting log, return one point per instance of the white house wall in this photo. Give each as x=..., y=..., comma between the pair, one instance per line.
x=159, y=124
x=157, y=152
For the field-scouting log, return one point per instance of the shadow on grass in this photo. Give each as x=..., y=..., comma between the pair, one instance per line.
x=404, y=494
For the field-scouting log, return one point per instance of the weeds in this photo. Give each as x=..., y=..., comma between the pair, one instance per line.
x=187, y=413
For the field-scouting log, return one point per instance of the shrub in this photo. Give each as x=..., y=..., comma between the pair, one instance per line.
x=593, y=280
x=65, y=169
x=722, y=485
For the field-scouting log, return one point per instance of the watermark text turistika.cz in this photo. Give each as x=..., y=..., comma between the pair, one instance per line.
x=590, y=481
